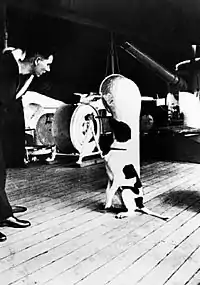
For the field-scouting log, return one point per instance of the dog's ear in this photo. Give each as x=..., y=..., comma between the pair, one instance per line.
x=121, y=130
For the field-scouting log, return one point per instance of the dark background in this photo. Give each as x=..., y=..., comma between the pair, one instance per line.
x=78, y=33
x=82, y=54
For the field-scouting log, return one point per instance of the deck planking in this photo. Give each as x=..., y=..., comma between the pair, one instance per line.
x=72, y=242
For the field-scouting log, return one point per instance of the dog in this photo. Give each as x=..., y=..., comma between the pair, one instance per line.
x=123, y=178
x=121, y=161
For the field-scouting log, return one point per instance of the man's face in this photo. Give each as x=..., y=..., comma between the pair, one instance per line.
x=42, y=65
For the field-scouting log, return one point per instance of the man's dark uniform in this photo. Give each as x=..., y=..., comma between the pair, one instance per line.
x=9, y=121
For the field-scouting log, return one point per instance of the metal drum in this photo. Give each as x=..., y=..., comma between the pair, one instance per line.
x=38, y=115
x=44, y=130
x=70, y=126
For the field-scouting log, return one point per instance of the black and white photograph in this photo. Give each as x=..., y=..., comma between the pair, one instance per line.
x=100, y=142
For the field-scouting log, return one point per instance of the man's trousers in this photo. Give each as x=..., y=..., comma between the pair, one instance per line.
x=5, y=207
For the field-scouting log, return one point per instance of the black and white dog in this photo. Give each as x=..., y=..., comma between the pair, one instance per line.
x=122, y=98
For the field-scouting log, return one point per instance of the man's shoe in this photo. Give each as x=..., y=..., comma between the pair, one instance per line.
x=2, y=237
x=18, y=209
x=15, y=223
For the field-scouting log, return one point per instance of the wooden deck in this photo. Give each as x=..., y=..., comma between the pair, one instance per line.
x=72, y=242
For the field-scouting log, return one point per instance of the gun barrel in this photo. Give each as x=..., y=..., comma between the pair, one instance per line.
x=156, y=67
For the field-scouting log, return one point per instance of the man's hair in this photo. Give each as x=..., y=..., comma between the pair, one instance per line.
x=32, y=58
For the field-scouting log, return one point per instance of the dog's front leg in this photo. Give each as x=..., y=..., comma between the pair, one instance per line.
x=107, y=191
x=110, y=192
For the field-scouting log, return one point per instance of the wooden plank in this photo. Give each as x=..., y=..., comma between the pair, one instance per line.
x=55, y=213
x=185, y=273
x=71, y=240
x=175, y=259
x=97, y=277
x=118, y=257
x=194, y=280
x=92, y=263
x=117, y=223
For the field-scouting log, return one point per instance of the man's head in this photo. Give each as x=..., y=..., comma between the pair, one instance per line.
x=36, y=65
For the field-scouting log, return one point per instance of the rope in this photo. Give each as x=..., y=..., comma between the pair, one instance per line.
x=112, y=56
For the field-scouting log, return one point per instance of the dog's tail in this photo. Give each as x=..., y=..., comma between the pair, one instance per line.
x=152, y=213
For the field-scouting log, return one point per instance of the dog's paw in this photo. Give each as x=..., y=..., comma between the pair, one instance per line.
x=120, y=216
x=101, y=206
x=104, y=209
x=109, y=209
x=126, y=214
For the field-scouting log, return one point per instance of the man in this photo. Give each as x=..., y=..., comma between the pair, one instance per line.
x=13, y=63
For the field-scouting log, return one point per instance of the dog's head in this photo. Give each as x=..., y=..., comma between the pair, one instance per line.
x=107, y=91
x=121, y=97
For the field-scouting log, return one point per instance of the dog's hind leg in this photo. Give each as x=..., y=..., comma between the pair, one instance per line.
x=128, y=198
x=119, y=196
x=134, y=203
